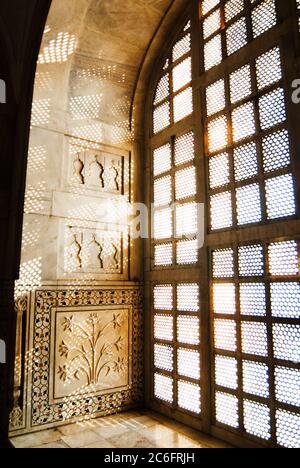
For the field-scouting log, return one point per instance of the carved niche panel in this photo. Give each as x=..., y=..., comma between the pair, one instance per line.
x=97, y=171
x=84, y=353
x=91, y=349
x=88, y=250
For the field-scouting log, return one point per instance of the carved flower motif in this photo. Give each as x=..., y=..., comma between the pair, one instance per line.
x=63, y=350
x=119, y=344
x=117, y=321
x=119, y=365
x=63, y=373
x=94, y=319
x=68, y=324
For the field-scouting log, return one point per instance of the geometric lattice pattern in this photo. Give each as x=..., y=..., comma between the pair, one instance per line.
x=254, y=285
x=266, y=291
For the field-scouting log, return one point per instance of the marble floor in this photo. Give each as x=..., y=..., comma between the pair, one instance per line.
x=138, y=429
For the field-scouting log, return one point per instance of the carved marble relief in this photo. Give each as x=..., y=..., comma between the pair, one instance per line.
x=84, y=354
x=91, y=351
x=92, y=251
x=98, y=171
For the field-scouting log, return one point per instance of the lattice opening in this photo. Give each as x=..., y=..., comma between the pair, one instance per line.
x=163, y=388
x=243, y=122
x=215, y=97
x=253, y=299
x=163, y=357
x=188, y=298
x=245, y=162
x=248, y=204
x=217, y=134
x=163, y=297
x=184, y=148
x=227, y=409
x=256, y=379
x=189, y=397
x=163, y=327
x=264, y=17
x=162, y=90
x=236, y=36
x=212, y=24
x=255, y=339
x=182, y=47
x=287, y=384
x=223, y=263
x=272, y=109
x=185, y=183
x=186, y=219
x=163, y=191
x=188, y=330
x=183, y=104
x=286, y=342
x=280, y=194
x=182, y=74
x=283, y=258
x=208, y=5
x=240, y=84
x=257, y=419
x=161, y=117
x=163, y=255
x=163, y=224
x=219, y=170
x=225, y=335
x=226, y=372
x=288, y=429
x=187, y=252
x=285, y=300
x=276, y=150
x=188, y=363
x=213, y=52
x=233, y=8
x=224, y=298
x=221, y=211
x=162, y=159
x=251, y=260
x=269, y=68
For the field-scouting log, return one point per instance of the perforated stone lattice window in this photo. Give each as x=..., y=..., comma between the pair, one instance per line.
x=264, y=17
x=163, y=388
x=187, y=252
x=219, y=171
x=257, y=419
x=227, y=409
x=188, y=330
x=249, y=261
x=223, y=263
x=163, y=357
x=226, y=371
x=189, y=397
x=188, y=363
x=256, y=379
x=163, y=327
x=255, y=288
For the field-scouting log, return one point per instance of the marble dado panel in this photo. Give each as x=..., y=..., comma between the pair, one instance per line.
x=84, y=355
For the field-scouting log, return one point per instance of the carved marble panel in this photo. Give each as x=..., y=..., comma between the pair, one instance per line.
x=97, y=170
x=89, y=252
x=83, y=357
x=91, y=350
